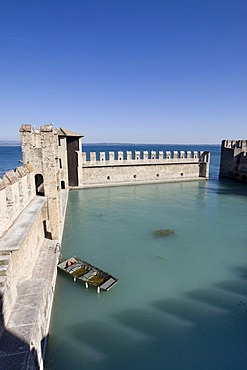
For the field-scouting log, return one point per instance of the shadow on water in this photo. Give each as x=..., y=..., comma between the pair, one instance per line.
x=242, y=271
x=227, y=187
x=16, y=353
x=197, y=330
x=202, y=329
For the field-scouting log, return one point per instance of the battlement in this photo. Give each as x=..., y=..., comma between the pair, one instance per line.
x=233, y=160
x=147, y=167
x=141, y=158
x=17, y=189
x=234, y=144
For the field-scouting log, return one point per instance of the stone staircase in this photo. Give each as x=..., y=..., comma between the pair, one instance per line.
x=4, y=264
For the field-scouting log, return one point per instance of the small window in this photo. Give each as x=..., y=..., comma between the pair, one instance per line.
x=108, y=177
x=134, y=176
x=158, y=175
x=182, y=174
x=60, y=163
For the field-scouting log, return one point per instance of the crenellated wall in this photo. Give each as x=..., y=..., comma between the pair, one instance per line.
x=233, y=161
x=145, y=157
x=142, y=167
x=237, y=145
x=17, y=189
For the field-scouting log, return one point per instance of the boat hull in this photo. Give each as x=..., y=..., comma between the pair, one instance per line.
x=87, y=273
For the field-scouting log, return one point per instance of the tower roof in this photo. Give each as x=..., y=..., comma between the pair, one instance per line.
x=64, y=132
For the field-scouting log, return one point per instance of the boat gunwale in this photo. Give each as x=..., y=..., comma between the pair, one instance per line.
x=88, y=267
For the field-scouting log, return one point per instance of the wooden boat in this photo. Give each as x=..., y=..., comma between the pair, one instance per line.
x=87, y=273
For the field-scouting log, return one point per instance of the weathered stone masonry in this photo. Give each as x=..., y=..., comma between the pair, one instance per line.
x=233, y=163
x=142, y=168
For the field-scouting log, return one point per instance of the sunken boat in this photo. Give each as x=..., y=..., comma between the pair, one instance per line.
x=87, y=273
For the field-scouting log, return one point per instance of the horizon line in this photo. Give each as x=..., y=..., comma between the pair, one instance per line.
x=123, y=143
x=18, y=143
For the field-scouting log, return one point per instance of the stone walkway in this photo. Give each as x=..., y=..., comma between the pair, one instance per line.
x=23, y=337
x=20, y=344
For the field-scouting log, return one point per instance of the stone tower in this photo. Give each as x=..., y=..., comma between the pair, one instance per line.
x=53, y=154
x=40, y=149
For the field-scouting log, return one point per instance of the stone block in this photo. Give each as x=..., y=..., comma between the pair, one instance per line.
x=2, y=184
x=10, y=177
x=47, y=128
x=26, y=128
x=22, y=171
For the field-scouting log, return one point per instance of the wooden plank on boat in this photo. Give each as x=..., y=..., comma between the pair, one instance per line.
x=108, y=284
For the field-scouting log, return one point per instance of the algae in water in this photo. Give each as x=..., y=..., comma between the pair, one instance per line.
x=163, y=232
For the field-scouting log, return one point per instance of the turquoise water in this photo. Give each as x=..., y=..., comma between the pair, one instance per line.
x=180, y=302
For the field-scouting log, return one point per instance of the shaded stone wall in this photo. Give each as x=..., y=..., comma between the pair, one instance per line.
x=233, y=160
x=63, y=162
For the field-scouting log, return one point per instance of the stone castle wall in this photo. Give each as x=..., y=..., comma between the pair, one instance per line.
x=233, y=162
x=17, y=189
x=146, y=167
x=22, y=243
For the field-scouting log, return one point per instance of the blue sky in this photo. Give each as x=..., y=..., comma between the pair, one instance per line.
x=139, y=71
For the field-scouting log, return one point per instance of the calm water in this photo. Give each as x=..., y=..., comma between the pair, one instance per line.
x=9, y=158
x=181, y=301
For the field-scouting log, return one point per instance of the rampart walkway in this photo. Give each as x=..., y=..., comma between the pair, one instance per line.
x=26, y=290
x=20, y=344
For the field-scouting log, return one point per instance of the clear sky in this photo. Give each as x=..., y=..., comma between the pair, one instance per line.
x=139, y=71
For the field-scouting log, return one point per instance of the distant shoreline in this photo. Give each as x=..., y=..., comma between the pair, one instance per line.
x=17, y=143
x=141, y=144
x=9, y=143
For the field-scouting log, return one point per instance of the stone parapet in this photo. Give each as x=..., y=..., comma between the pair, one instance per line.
x=112, y=169
x=234, y=144
x=31, y=264
x=137, y=157
x=16, y=191
x=22, y=242
x=24, y=339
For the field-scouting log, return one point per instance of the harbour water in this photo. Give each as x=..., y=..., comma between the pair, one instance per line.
x=181, y=300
